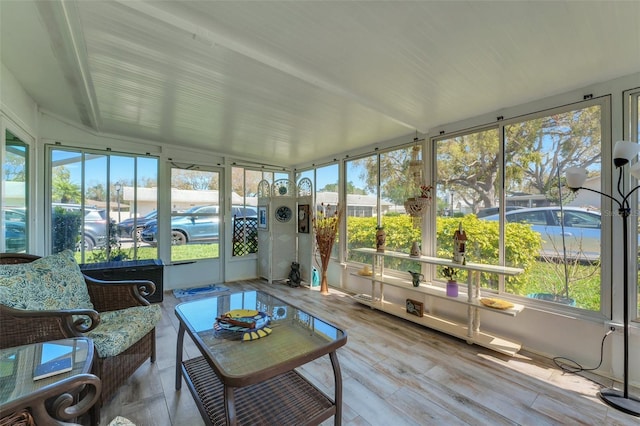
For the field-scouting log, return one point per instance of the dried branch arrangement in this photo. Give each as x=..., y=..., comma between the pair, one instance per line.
x=325, y=227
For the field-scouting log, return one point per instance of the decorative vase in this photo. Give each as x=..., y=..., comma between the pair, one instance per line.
x=415, y=250
x=324, y=284
x=452, y=288
x=416, y=277
x=381, y=238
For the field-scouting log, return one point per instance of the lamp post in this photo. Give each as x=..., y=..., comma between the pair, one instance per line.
x=118, y=188
x=623, y=153
x=451, y=211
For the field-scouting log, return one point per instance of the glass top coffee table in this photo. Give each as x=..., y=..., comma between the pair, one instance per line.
x=47, y=379
x=238, y=381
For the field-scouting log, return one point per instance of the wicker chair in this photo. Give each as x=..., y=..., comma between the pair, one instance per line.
x=20, y=327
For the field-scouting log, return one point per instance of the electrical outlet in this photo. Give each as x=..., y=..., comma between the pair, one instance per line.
x=615, y=327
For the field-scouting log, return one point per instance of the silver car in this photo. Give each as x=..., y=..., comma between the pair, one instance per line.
x=581, y=230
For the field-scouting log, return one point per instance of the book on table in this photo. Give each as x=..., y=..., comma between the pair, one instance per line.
x=52, y=359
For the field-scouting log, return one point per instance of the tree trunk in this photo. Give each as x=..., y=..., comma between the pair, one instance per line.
x=324, y=285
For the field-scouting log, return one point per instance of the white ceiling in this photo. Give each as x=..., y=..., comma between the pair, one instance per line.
x=288, y=83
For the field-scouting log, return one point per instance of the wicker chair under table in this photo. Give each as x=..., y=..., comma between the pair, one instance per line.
x=119, y=303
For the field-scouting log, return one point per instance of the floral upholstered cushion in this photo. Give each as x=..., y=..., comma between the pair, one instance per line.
x=50, y=283
x=120, y=329
x=121, y=421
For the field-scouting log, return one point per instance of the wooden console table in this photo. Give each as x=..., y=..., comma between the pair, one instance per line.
x=469, y=331
x=54, y=400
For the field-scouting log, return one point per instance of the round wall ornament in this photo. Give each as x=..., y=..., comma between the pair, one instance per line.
x=283, y=214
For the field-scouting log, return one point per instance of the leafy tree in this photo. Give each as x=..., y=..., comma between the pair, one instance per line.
x=351, y=188
x=96, y=193
x=395, y=183
x=543, y=148
x=148, y=182
x=332, y=187
x=194, y=179
x=63, y=190
x=537, y=151
x=244, y=181
x=14, y=168
x=469, y=166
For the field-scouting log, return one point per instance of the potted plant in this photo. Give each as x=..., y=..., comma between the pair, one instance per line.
x=451, y=274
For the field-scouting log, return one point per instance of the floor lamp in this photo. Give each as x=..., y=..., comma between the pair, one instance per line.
x=623, y=153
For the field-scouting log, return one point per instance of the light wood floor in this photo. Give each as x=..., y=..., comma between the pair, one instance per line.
x=394, y=373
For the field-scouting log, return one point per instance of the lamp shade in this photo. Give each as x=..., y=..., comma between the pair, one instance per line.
x=624, y=151
x=576, y=177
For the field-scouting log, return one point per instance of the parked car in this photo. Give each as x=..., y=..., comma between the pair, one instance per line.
x=582, y=230
x=15, y=233
x=132, y=227
x=95, y=224
x=198, y=224
x=495, y=210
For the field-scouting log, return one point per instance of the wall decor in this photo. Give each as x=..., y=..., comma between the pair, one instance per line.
x=283, y=214
x=459, y=242
x=381, y=239
x=262, y=218
x=414, y=307
x=303, y=218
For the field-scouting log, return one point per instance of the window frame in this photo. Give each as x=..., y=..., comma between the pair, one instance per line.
x=631, y=132
x=83, y=153
x=606, y=185
x=7, y=125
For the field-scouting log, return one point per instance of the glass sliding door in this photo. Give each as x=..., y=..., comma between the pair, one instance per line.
x=197, y=216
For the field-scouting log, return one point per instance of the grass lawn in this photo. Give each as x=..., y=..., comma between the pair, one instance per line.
x=145, y=252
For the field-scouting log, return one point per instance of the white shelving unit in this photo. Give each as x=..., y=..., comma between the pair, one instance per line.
x=469, y=331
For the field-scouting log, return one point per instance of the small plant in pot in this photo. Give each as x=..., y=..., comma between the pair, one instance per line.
x=452, y=285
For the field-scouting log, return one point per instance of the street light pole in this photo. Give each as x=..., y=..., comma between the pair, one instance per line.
x=118, y=188
x=451, y=203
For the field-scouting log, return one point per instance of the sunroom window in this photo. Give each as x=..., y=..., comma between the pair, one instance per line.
x=100, y=202
x=505, y=186
x=15, y=185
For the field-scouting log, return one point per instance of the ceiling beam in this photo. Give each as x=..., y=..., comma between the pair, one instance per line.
x=68, y=48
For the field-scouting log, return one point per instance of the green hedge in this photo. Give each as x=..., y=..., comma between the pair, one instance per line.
x=521, y=250
x=65, y=229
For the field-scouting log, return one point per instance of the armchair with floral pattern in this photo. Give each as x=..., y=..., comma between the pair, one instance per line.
x=49, y=298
